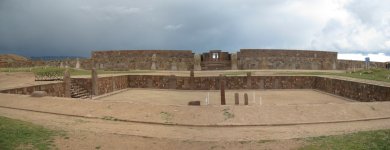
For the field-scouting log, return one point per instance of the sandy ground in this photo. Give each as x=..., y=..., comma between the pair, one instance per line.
x=160, y=119
x=255, y=97
x=9, y=80
x=83, y=133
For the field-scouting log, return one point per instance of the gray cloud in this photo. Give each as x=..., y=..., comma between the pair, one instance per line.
x=73, y=27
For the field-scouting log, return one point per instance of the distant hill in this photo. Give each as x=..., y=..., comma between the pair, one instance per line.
x=47, y=58
x=9, y=58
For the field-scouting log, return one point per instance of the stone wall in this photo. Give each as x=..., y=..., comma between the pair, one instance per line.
x=349, y=89
x=353, y=90
x=111, y=84
x=216, y=60
x=105, y=84
x=53, y=89
x=143, y=59
x=84, y=83
x=245, y=59
x=354, y=64
x=286, y=59
x=212, y=83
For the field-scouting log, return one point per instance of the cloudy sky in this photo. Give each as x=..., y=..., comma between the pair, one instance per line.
x=75, y=27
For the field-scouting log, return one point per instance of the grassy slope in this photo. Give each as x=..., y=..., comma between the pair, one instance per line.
x=15, y=134
x=372, y=140
x=370, y=74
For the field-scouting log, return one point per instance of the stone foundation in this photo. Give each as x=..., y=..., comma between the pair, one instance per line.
x=349, y=89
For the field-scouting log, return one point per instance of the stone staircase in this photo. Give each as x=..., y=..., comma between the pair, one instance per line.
x=76, y=91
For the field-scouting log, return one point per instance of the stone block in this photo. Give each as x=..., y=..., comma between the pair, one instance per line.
x=67, y=82
x=246, y=100
x=236, y=99
x=39, y=94
x=194, y=103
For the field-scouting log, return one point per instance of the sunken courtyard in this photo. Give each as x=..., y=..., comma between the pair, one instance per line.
x=213, y=96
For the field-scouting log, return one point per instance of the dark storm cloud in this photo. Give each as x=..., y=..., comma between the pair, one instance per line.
x=74, y=27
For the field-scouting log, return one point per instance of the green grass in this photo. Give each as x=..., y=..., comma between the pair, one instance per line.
x=227, y=114
x=369, y=74
x=166, y=116
x=15, y=134
x=372, y=140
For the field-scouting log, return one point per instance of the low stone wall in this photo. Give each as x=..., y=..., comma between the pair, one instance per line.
x=349, y=89
x=351, y=64
x=213, y=83
x=353, y=90
x=111, y=84
x=105, y=84
x=53, y=89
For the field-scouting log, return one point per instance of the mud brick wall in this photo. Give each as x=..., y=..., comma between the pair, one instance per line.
x=286, y=59
x=349, y=64
x=53, y=89
x=142, y=59
x=353, y=90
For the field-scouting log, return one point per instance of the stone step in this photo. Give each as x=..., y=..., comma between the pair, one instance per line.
x=78, y=92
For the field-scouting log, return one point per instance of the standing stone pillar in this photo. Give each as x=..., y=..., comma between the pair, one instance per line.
x=234, y=61
x=154, y=59
x=77, y=63
x=172, y=82
x=222, y=88
x=192, y=78
x=197, y=62
x=67, y=82
x=192, y=74
x=95, y=88
x=236, y=99
x=62, y=64
x=174, y=66
x=66, y=64
x=246, y=101
x=248, y=80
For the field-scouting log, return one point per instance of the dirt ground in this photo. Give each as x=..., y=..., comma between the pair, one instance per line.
x=10, y=80
x=161, y=119
x=84, y=133
x=255, y=97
